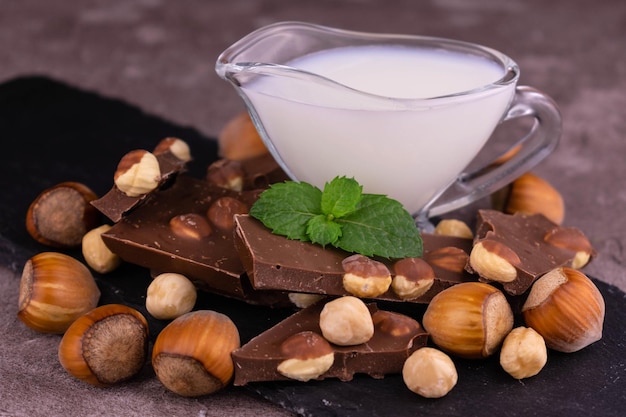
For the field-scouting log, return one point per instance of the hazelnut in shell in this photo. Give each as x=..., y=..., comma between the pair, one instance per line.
x=239, y=139
x=566, y=308
x=61, y=215
x=469, y=320
x=105, y=346
x=192, y=355
x=55, y=289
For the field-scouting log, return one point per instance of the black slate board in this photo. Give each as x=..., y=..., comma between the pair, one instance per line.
x=52, y=132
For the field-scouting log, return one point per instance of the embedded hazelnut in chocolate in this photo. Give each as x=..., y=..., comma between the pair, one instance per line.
x=574, y=240
x=190, y=225
x=308, y=356
x=226, y=173
x=365, y=277
x=450, y=258
x=177, y=147
x=222, y=211
x=413, y=278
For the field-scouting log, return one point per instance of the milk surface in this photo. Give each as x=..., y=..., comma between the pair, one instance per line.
x=409, y=150
x=402, y=72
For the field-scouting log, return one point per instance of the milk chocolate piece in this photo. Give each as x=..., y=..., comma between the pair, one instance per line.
x=395, y=337
x=275, y=262
x=526, y=236
x=248, y=174
x=115, y=203
x=147, y=238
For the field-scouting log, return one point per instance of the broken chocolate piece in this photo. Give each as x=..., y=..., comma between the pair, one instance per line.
x=115, y=203
x=527, y=246
x=395, y=337
x=163, y=236
x=247, y=174
x=275, y=262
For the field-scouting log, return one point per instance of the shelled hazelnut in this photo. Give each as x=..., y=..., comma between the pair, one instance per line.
x=170, y=295
x=430, y=373
x=523, y=353
x=137, y=173
x=346, y=321
x=308, y=355
x=413, y=277
x=96, y=253
x=365, y=277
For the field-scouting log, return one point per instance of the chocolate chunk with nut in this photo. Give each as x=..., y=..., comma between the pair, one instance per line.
x=276, y=262
x=515, y=250
x=186, y=229
x=170, y=156
x=295, y=349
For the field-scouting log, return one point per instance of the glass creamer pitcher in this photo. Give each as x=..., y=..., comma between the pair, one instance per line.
x=404, y=115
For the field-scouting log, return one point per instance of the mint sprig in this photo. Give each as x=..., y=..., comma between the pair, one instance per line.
x=342, y=216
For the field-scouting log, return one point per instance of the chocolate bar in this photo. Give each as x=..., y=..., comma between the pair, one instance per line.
x=277, y=263
x=532, y=245
x=115, y=203
x=395, y=337
x=178, y=230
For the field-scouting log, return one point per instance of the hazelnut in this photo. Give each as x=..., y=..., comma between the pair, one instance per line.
x=226, y=173
x=413, y=277
x=574, y=240
x=566, y=308
x=221, y=212
x=453, y=227
x=177, y=147
x=239, y=139
x=96, y=253
x=190, y=226
x=303, y=300
x=450, y=258
x=105, y=346
x=469, y=320
x=137, y=173
x=192, y=355
x=523, y=353
x=531, y=194
x=61, y=215
x=365, y=277
x=494, y=261
x=430, y=373
x=170, y=295
x=308, y=355
x=55, y=289
x=346, y=321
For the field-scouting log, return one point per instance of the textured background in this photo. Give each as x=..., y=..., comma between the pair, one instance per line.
x=160, y=56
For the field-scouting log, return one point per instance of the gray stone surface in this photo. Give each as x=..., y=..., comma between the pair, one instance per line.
x=160, y=56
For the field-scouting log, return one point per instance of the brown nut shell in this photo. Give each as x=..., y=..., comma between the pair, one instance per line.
x=191, y=355
x=55, y=289
x=469, y=320
x=239, y=139
x=107, y=345
x=566, y=308
x=62, y=214
x=531, y=194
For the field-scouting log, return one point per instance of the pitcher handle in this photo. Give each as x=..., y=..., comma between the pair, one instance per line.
x=538, y=143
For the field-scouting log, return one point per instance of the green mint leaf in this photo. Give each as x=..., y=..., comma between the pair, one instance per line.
x=323, y=231
x=380, y=227
x=287, y=207
x=341, y=196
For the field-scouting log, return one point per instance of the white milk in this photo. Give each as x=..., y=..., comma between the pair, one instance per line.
x=407, y=149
